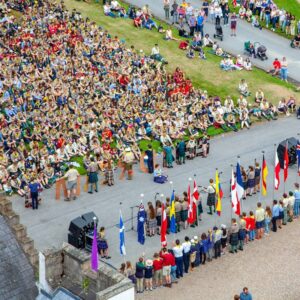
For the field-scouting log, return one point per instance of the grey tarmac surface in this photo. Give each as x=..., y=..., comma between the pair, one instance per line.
x=48, y=225
x=276, y=45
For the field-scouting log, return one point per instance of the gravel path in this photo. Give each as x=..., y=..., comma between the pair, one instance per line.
x=268, y=267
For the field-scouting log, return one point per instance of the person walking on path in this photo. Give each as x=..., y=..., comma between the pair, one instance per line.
x=93, y=175
x=34, y=188
x=233, y=24
x=245, y=295
x=71, y=177
x=167, y=9
x=284, y=69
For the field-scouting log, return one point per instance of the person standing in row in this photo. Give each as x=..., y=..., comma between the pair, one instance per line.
x=297, y=201
x=178, y=253
x=260, y=220
x=93, y=176
x=186, y=253
x=275, y=215
x=234, y=236
x=217, y=235
x=211, y=197
x=167, y=9
x=139, y=275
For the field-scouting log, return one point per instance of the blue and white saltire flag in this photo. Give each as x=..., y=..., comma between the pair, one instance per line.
x=122, y=236
x=239, y=183
x=141, y=218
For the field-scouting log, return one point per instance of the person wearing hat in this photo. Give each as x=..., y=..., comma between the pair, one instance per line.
x=297, y=201
x=128, y=160
x=93, y=175
x=148, y=274
x=233, y=236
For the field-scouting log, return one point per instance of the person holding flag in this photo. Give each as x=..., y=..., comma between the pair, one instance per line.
x=219, y=194
x=264, y=177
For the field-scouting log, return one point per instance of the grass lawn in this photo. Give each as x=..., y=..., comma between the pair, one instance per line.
x=204, y=74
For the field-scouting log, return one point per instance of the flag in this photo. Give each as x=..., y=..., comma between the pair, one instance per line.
x=219, y=194
x=122, y=237
x=236, y=204
x=298, y=156
x=172, y=214
x=164, y=226
x=286, y=163
x=195, y=199
x=190, y=207
x=239, y=183
x=141, y=217
x=276, y=172
x=264, y=173
x=94, y=256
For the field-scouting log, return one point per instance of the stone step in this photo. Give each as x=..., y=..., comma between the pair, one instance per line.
x=27, y=244
x=34, y=258
x=19, y=231
x=12, y=218
x=5, y=206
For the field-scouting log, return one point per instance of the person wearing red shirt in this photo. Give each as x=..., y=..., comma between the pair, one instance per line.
x=167, y=262
x=250, y=223
x=276, y=67
x=157, y=267
x=60, y=142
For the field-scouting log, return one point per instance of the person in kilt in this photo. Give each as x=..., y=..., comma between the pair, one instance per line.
x=211, y=196
x=178, y=209
x=93, y=175
x=109, y=174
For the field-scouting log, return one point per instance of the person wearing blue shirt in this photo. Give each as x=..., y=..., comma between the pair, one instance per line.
x=275, y=215
x=34, y=192
x=200, y=21
x=245, y=295
x=297, y=200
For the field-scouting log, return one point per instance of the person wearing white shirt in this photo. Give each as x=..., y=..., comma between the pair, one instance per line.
x=186, y=253
x=115, y=5
x=178, y=253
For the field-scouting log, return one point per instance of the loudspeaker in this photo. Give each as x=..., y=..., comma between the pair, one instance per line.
x=291, y=145
x=78, y=226
x=88, y=217
x=77, y=242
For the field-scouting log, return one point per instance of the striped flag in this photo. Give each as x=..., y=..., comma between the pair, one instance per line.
x=122, y=236
x=286, y=163
x=196, y=196
x=219, y=194
x=264, y=172
x=239, y=183
x=172, y=214
x=298, y=156
x=236, y=204
x=276, y=172
x=164, y=226
x=94, y=256
x=190, y=206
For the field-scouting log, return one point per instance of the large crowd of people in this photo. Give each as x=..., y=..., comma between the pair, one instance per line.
x=170, y=263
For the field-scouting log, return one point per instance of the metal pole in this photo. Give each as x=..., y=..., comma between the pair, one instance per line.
x=273, y=194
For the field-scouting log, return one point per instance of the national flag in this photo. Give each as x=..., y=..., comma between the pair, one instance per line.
x=236, y=204
x=164, y=226
x=196, y=196
x=298, y=156
x=286, y=163
x=264, y=173
x=276, y=172
x=239, y=183
x=94, y=256
x=122, y=237
x=219, y=194
x=172, y=214
x=190, y=207
x=141, y=217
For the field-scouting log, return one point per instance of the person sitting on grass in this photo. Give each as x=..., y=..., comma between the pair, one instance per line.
x=243, y=88
x=247, y=64
x=184, y=45
x=256, y=111
x=169, y=35
x=259, y=96
x=219, y=122
x=158, y=176
x=231, y=122
x=266, y=111
x=255, y=22
x=276, y=67
x=207, y=41
x=282, y=107
x=107, y=10
x=149, y=23
x=244, y=118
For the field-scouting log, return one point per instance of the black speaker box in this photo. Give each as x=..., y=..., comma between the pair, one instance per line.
x=75, y=241
x=291, y=145
x=78, y=226
x=89, y=218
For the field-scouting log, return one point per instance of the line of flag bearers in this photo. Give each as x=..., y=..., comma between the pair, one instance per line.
x=171, y=263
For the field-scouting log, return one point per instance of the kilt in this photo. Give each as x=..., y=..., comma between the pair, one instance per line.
x=152, y=223
x=102, y=244
x=251, y=183
x=178, y=216
x=93, y=177
x=257, y=180
x=109, y=176
x=184, y=215
x=211, y=199
x=158, y=220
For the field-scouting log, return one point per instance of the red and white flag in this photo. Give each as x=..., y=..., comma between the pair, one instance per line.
x=196, y=196
x=276, y=172
x=235, y=202
x=286, y=163
x=164, y=226
x=190, y=207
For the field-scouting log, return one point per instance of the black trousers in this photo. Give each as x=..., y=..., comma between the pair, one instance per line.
x=186, y=261
x=217, y=248
x=35, y=201
x=274, y=225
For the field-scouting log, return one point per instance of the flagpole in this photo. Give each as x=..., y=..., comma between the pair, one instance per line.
x=215, y=214
x=273, y=195
x=197, y=212
x=241, y=200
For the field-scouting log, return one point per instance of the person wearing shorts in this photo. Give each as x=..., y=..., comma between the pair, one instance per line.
x=259, y=220
x=166, y=270
x=158, y=270
x=71, y=177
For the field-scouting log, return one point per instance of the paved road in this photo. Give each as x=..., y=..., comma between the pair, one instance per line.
x=276, y=45
x=49, y=225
